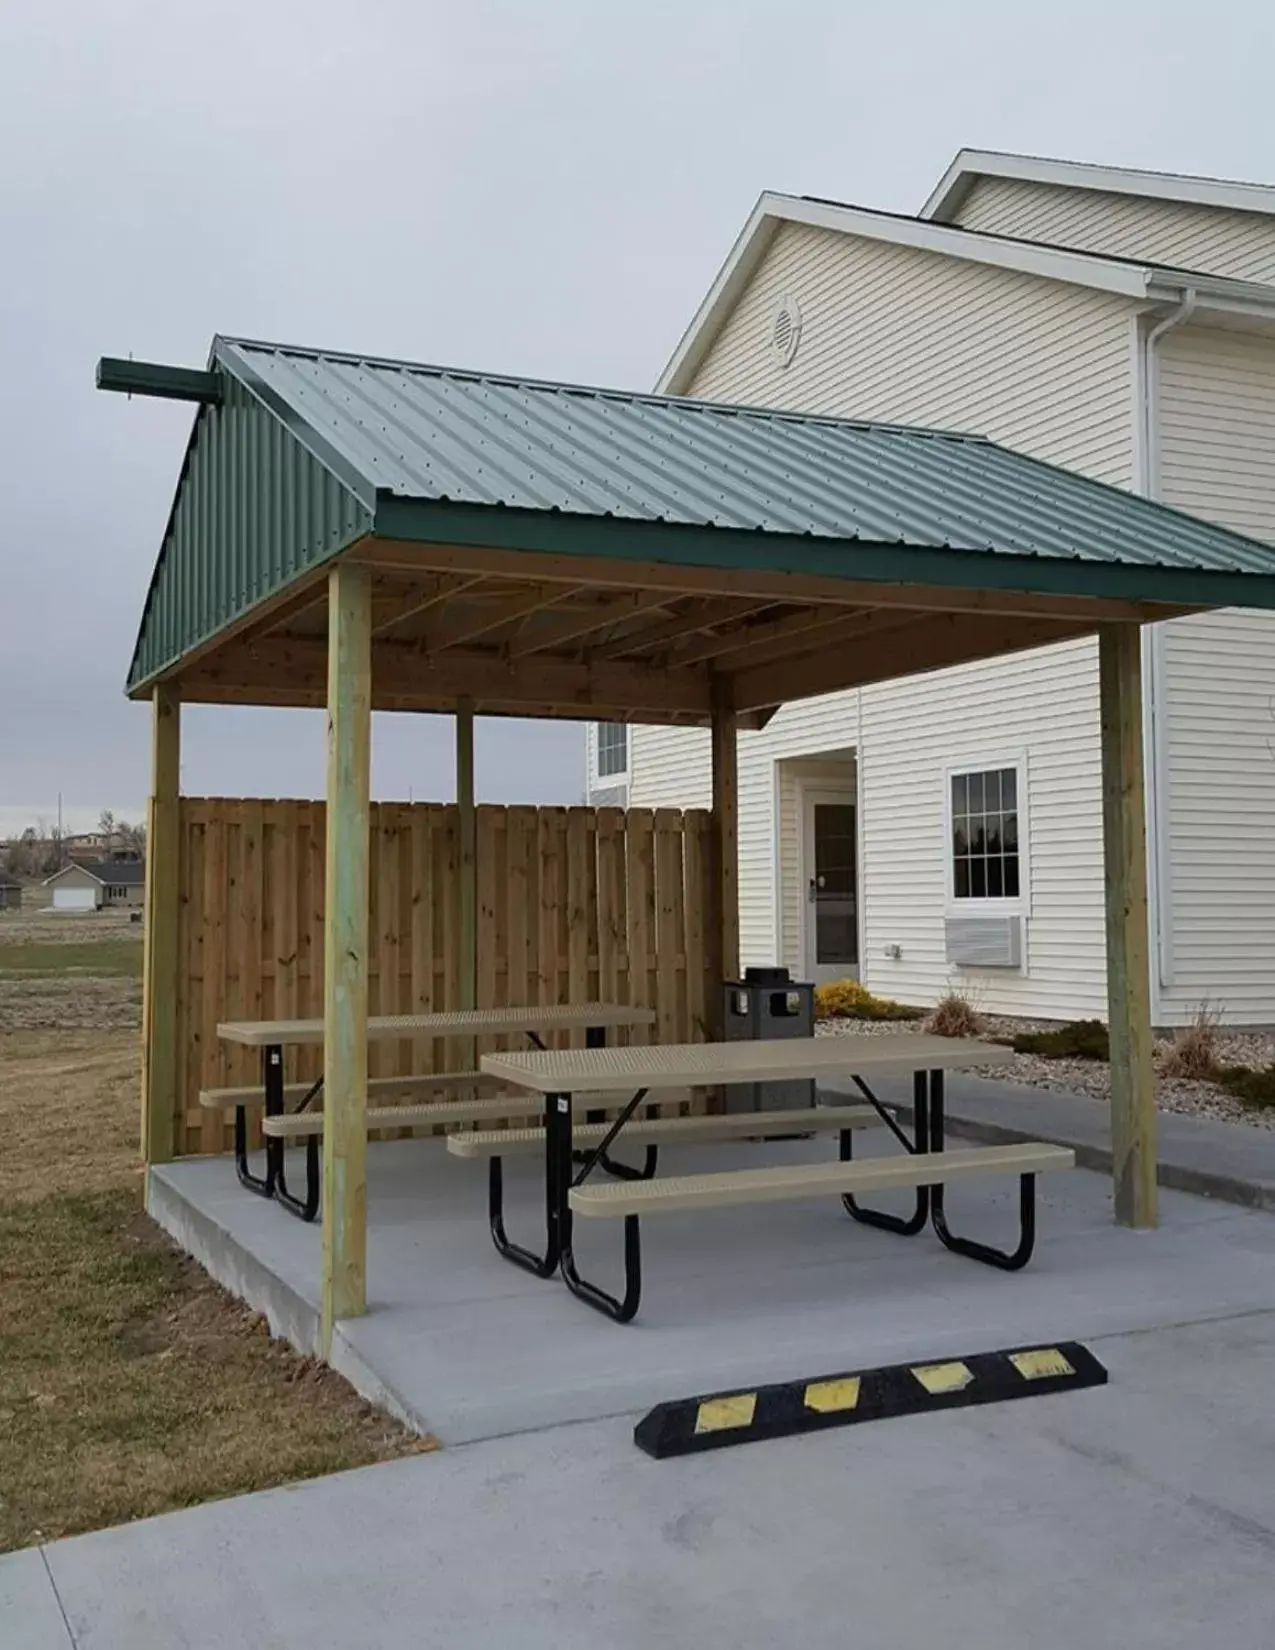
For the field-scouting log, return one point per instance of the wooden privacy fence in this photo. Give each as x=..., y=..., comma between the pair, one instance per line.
x=574, y=904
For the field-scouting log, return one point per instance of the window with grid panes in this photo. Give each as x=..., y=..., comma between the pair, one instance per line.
x=613, y=749
x=985, y=860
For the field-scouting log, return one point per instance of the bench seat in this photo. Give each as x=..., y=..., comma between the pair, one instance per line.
x=727, y=1188
x=671, y=1130
x=299, y=1125
x=253, y=1095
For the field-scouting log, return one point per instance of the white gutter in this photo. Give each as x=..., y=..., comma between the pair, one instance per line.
x=1155, y=744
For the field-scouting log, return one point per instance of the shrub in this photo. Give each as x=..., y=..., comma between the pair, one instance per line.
x=1078, y=1040
x=1193, y=1051
x=1253, y=1087
x=954, y=1016
x=848, y=1000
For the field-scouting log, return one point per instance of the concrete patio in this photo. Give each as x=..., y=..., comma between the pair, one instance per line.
x=462, y=1344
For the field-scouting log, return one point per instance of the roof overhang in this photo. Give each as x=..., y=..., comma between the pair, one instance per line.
x=972, y=164
x=1223, y=300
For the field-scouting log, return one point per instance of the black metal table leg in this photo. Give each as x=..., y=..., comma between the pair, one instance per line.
x=541, y=1266
x=272, y=1083
x=1005, y=1260
x=914, y=1223
x=622, y=1310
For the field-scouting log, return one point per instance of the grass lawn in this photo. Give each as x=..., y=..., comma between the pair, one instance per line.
x=104, y=959
x=129, y=1382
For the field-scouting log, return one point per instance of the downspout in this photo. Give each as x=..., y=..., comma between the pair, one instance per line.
x=1153, y=667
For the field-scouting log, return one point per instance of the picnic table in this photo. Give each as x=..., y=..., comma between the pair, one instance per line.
x=273, y=1036
x=925, y=1166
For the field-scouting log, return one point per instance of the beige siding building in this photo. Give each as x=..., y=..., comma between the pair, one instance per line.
x=945, y=830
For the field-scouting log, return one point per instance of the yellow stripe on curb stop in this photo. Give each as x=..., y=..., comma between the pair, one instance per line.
x=721, y=1414
x=1036, y=1366
x=831, y=1397
x=940, y=1378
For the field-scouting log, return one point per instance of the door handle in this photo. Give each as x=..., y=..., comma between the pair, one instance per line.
x=811, y=893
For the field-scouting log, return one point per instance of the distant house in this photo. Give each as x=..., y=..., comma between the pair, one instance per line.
x=90, y=885
x=10, y=893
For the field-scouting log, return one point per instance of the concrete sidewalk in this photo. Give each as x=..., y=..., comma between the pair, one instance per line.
x=1140, y=1515
x=1222, y=1160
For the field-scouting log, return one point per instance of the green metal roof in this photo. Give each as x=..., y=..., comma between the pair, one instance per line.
x=310, y=450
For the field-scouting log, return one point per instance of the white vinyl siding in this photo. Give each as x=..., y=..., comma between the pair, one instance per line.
x=911, y=337
x=1179, y=234
x=1217, y=459
x=915, y=733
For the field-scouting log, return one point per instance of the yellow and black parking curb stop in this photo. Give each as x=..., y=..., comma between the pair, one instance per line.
x=717, y=1419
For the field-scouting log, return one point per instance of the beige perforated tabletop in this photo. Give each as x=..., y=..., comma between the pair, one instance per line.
x=703, y=1065
x=458, y=1022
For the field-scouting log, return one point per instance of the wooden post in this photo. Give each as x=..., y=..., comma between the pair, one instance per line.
x=1133, y=1114
x=467, y=855
x=159, y=951
x=345, y=945
x=725, y=935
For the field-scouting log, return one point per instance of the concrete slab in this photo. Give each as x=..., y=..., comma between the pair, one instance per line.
x=30, y=1615
x=1140, y=1514
x=1196, y=1154
x=460, y=1343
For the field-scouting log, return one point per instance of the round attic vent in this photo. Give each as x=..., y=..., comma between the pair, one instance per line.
x=785, y=329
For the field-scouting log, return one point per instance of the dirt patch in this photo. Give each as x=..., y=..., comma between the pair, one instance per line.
x=130, y=1383
x=69, y=1002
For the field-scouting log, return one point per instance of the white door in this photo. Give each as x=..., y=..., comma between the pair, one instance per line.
x=75, y=899
x=830, y=886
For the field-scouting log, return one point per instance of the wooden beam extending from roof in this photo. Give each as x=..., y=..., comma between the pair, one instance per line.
x=932, y=643
x=160, y=948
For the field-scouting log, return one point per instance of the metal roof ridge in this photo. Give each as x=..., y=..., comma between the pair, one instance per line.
x=652, y=398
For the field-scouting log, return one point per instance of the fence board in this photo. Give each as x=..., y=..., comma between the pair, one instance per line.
x=573, y=904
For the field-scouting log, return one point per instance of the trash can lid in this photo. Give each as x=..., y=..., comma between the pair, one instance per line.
x=766, y=976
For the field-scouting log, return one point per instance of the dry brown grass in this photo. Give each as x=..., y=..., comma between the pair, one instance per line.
x=954, y=1016
x=1193, y=1053
x=130, y=1383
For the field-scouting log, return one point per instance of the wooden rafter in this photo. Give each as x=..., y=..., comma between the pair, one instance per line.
x=741, y=638
x=703, y=616
x=453, y=629
x=581, y=622
x=746, y=653
x=394, y=607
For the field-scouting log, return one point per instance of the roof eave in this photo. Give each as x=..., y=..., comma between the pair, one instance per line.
x=693, y=545
x=972, y=164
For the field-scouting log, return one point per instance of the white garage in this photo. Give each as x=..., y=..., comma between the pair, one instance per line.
x=75, y=899
x=75, y=888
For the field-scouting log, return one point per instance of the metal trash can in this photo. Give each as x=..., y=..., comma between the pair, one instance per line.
x=766, y=1004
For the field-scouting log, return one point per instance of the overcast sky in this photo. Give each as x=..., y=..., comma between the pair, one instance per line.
x=528, y=186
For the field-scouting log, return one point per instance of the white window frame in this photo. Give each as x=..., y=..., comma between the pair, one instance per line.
x=597, y=778
x=1020, y=904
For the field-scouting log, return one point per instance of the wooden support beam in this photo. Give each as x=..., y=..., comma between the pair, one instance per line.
x=455, y=629
x=159, y=960
x=725, y=935
x=931, y=643
x=400, y=557
x=407, y=676
x=467, y=857
x=1133, y=1113
x=345, y=936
